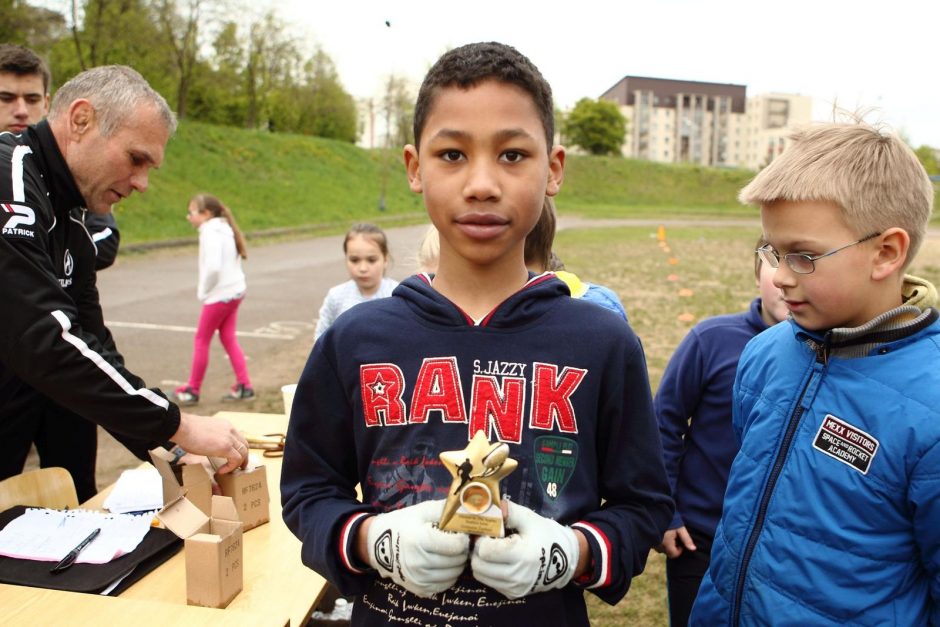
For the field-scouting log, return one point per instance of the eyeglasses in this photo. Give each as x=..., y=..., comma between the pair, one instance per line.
x=801, y=263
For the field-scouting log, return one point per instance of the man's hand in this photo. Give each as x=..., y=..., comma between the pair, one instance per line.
x=675, y=542
x=541, y=555
x=214, y=437
x=406, y=546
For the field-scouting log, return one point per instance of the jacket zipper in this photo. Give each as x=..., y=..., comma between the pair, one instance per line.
x=822, y=357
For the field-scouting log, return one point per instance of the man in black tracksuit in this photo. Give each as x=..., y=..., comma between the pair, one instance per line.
x=90, y=153
x=62, y=437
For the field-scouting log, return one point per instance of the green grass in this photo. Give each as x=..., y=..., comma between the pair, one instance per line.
x=276, y=181
x=611, y=186
x=269, y=181
x=280, y=180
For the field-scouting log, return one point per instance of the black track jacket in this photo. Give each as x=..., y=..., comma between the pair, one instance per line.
x=42, y=339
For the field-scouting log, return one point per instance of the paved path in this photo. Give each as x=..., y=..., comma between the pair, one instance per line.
x=150, y=302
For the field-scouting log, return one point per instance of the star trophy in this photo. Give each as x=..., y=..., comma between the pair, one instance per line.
x=473, y=504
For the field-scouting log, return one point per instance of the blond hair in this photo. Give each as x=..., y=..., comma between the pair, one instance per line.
x=429, y=251
x=873, y=176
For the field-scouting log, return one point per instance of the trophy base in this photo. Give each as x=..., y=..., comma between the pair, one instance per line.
x=476, y=525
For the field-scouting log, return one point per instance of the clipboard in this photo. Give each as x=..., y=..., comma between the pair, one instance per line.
x=158, y=546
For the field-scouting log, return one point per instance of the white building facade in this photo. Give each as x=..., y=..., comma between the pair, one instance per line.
x=711, y=124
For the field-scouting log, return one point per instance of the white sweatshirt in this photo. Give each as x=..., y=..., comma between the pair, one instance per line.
x=220, y=268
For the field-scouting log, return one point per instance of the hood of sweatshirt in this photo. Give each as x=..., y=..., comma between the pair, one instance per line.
x=527, y=305
x=918, y=292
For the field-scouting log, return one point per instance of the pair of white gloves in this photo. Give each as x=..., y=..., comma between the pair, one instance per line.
x=407, y=547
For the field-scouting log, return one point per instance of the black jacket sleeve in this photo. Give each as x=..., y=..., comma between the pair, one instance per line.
x=42, y=340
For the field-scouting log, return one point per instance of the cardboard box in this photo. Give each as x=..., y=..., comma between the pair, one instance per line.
x=249, y=489
x=193, y=480
x=213, y=546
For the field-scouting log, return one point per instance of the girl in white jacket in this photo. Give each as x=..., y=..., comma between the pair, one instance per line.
x=221, y=289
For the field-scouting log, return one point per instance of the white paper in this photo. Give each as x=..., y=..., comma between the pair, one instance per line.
x=48, y=535
x=136, y=490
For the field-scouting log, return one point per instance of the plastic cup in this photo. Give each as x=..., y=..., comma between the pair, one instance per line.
x=288, y=393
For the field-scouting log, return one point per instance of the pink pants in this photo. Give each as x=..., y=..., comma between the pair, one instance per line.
x=222, y=317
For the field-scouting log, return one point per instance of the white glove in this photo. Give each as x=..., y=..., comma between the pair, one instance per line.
x=541, y=555
x=406, y=546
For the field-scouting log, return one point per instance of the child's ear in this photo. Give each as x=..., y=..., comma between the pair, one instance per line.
x=891, y=254
x=556, y=170
x=412, y=168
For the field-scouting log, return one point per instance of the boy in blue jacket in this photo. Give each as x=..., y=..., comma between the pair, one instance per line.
x=482, y=346
x=693, y=406
x=833, y=502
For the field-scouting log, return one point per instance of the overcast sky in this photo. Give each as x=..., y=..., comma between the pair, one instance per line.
x=858, y=53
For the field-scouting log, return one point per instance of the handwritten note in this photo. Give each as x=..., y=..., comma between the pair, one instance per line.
x=48, y=535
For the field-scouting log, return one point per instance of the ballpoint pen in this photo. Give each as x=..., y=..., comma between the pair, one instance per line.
x=69, y=559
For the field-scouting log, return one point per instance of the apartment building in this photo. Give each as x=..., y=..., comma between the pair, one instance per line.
x=713, y=124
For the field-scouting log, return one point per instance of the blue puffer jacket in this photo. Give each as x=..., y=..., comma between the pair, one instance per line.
x=832, y=513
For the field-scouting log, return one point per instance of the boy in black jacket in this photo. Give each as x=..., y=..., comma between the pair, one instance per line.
x=480, y=346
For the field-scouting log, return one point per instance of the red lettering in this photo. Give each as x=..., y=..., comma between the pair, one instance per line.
x=381, y=387
x=551, y=397
x=438, y=388
x=501, y=408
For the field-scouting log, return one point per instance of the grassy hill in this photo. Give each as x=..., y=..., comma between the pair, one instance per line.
x=274, y=181
x=616, y=187
x=269, y=180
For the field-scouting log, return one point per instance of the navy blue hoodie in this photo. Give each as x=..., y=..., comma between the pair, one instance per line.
x=396, y=381
x=693, y=405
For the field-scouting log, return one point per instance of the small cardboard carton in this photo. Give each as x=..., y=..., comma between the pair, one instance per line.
x=193, y=480
x=213, y=546
x=249, y=489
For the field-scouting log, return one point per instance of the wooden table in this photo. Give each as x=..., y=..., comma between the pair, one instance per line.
x=276, y=584
x=29, y=607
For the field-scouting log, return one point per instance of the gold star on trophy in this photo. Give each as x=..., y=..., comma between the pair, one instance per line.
x=473, y=504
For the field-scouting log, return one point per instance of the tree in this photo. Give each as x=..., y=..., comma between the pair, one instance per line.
x=247, y=70
x=327, y=110
x=26, y=25
x=117, y=31
x=181, y=32
x=218, y=92
x=271, y=62
x=597, y=126
x=399, y=111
